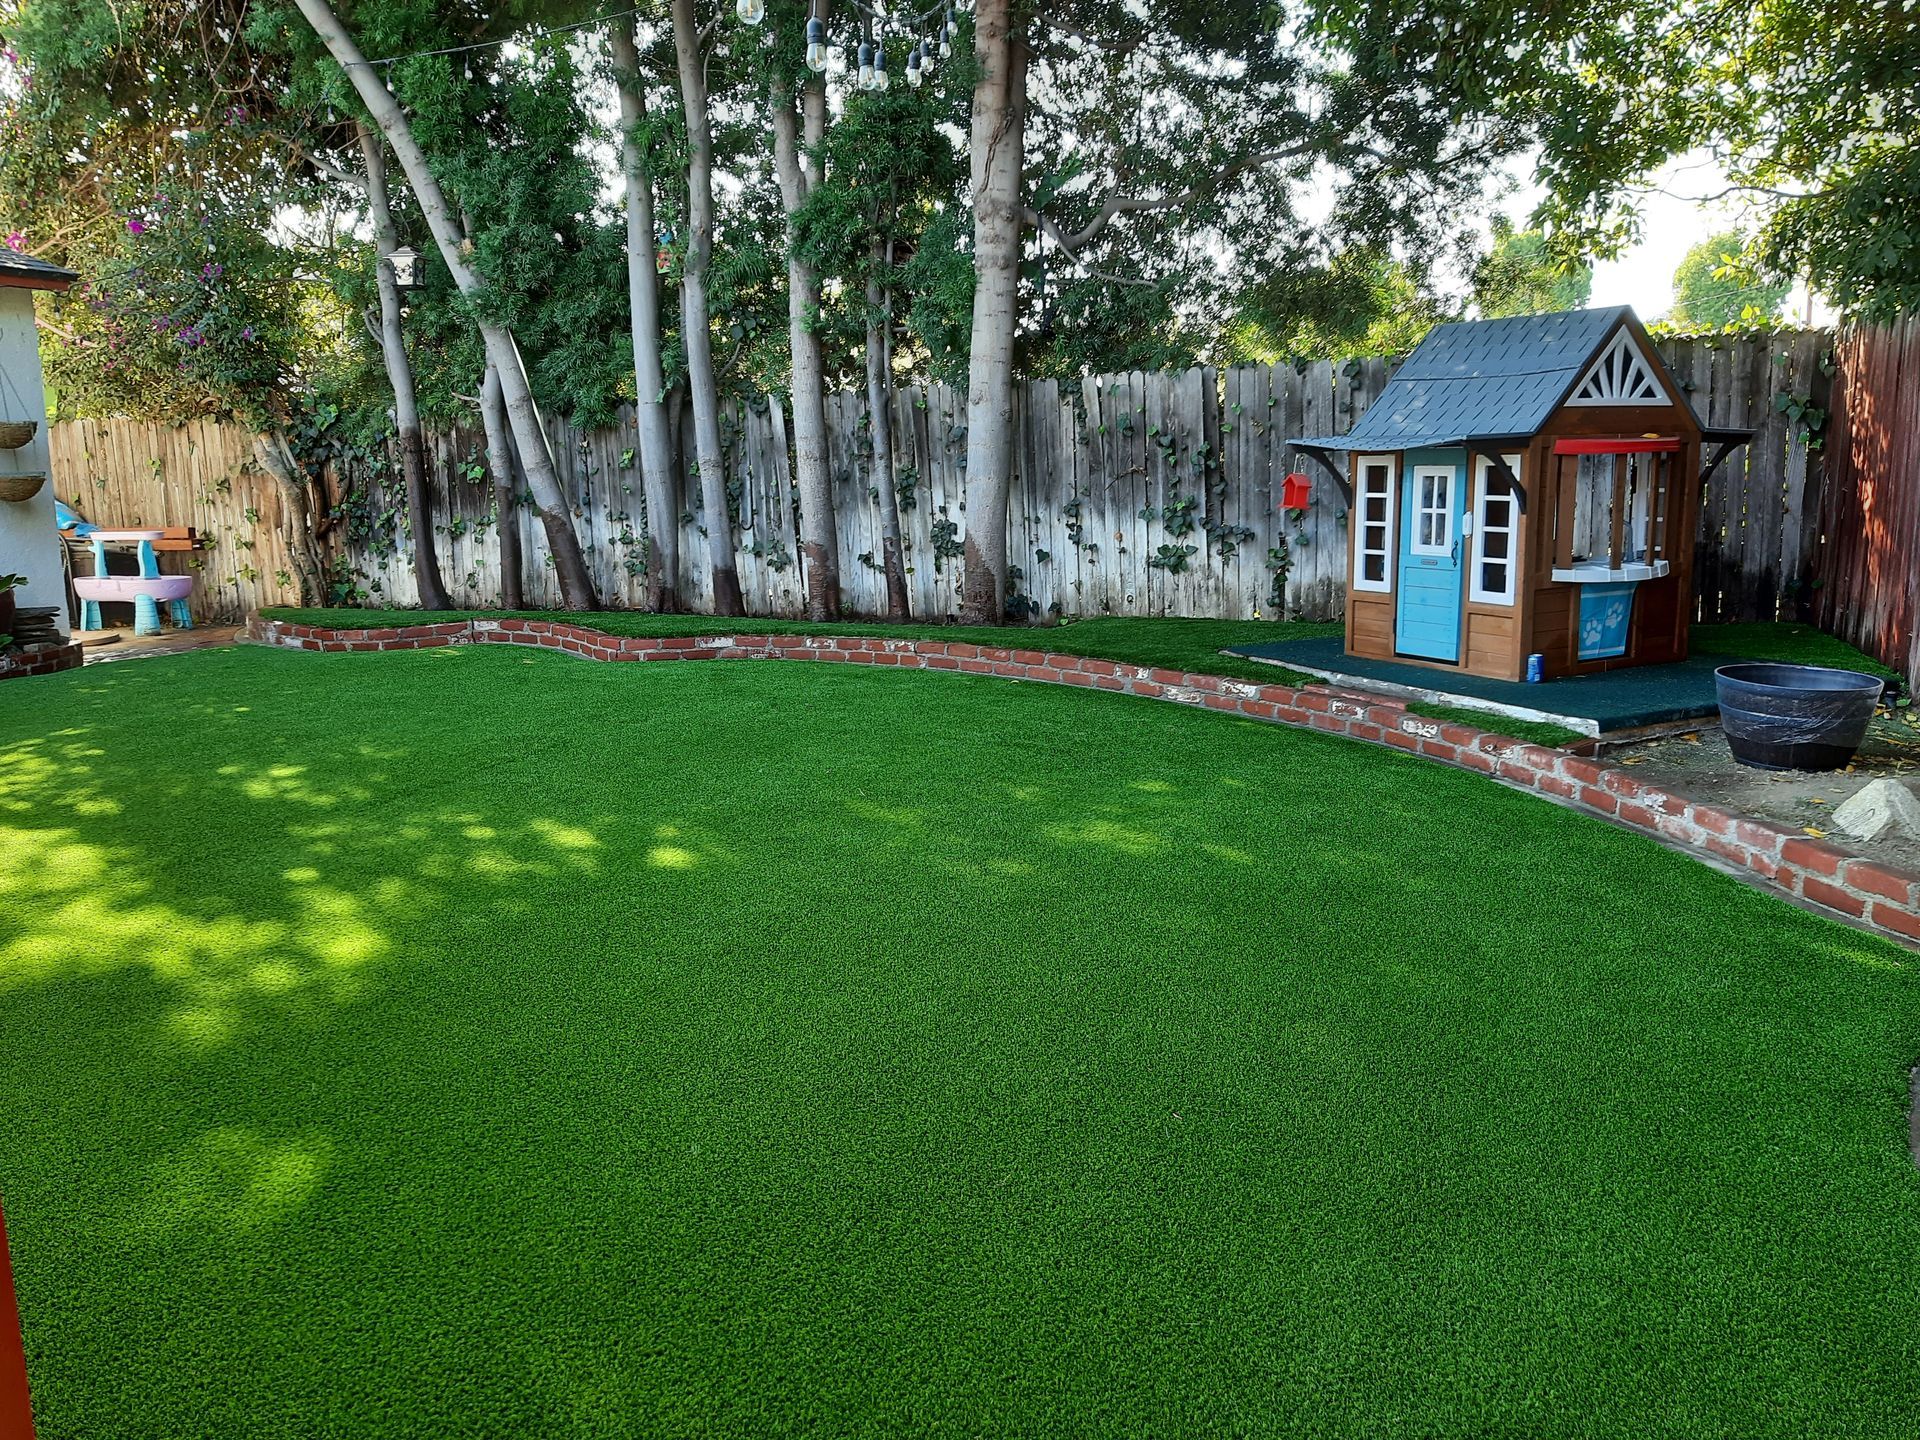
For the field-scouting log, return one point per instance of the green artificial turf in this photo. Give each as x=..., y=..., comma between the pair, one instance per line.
x=479, y=1043
x=1785, y=642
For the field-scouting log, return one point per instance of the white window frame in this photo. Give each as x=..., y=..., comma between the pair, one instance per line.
x=1475, y=591
x=1451, y=474
x=1384, y=585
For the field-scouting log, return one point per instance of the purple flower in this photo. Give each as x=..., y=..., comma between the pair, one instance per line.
x=247, y=334
x=135, y=227
x=16, y=241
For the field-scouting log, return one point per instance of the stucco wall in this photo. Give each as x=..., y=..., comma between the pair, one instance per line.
x=29, y=545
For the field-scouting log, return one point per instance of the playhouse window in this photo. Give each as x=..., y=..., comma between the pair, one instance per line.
x=1614, y=511
x=1495, y=524
x=1433, y=510
x=1373, y=536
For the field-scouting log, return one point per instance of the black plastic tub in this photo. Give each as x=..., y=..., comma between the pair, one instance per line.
x=1795, y=717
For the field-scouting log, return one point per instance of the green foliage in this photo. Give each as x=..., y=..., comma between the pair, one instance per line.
x=1715, y=288
x=1364, y=302
x=1522, y=276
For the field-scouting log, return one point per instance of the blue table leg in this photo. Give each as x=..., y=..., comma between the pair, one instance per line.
x=89, y=614
x=182, y=615
x=146, y=616
x=149, y=567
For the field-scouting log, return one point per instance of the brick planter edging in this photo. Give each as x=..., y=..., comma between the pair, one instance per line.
x=18, y=664
x=1875, y=895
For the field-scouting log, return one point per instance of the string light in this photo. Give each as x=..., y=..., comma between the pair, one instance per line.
x=939, y=26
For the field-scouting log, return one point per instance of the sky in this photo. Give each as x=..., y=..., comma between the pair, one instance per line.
x=1675, y=218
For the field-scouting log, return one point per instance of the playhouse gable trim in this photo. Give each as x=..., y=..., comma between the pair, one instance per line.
x=1621, y=375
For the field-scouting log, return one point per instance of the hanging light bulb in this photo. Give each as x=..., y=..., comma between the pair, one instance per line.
x=817, y=45
x=751, y=12
x=953, y=24
x=946, y=45
x=880, y=77
x=866, y=66
x=914, y=77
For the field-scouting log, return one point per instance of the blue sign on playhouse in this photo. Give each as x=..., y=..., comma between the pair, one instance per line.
x=1606, y=611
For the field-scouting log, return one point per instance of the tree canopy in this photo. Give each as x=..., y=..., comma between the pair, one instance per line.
x=1715, y=287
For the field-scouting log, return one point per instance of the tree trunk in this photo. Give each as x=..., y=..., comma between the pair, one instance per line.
x=275, y=454
x=393, y=350
x=999, y=163
x=643, y=287
x=819, y=543
x=696, y=334
x=880, y=421
x=576, y=583
x=506, y=494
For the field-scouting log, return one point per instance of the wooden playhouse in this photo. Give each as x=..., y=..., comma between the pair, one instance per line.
x=1525, y=487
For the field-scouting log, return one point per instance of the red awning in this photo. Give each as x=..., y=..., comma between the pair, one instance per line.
x=1641, y=445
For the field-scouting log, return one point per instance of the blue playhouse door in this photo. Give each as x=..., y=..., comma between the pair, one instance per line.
x=1433, y=505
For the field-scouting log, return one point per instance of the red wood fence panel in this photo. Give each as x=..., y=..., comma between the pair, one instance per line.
x=1867, y=566
x=16, y=1416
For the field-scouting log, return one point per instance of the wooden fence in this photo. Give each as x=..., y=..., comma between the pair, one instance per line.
x=1867, y=573
x=1133, y=494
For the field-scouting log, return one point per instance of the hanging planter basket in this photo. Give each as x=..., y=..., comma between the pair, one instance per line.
x=20, y=487
x=15, y=433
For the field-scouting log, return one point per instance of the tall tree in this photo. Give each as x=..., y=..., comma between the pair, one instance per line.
x=696, y=332
x=393, y=349
x=576, y=583
x=889, y=164
x=999, y=138
x=1716, y=288
x=796, y=164
x=506, y=493
x=1522, y=276
x=643, y=285
x=1161, y=157
x=882, y=476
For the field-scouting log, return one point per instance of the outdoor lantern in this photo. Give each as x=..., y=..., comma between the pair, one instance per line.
x=866, y=66
x=880, y=77
x=914, y=75
x=752, y=12
x=1296, y=492
x=817, y=45
x=406, y=267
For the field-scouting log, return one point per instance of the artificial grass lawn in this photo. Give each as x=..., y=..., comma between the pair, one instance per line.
x=475, y=1043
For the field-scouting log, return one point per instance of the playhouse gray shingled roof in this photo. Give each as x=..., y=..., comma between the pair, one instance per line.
x=12, y=262
x=1481, y=379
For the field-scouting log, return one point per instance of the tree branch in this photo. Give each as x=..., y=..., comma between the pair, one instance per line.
x=1117, y=205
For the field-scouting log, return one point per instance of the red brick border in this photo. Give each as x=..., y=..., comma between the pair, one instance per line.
x=18, y=664
x=1875, y=895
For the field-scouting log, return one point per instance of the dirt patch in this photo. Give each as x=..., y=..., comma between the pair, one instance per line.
x=1699, y=766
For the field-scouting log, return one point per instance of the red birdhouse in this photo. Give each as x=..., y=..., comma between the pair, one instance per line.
x=1296, y=493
